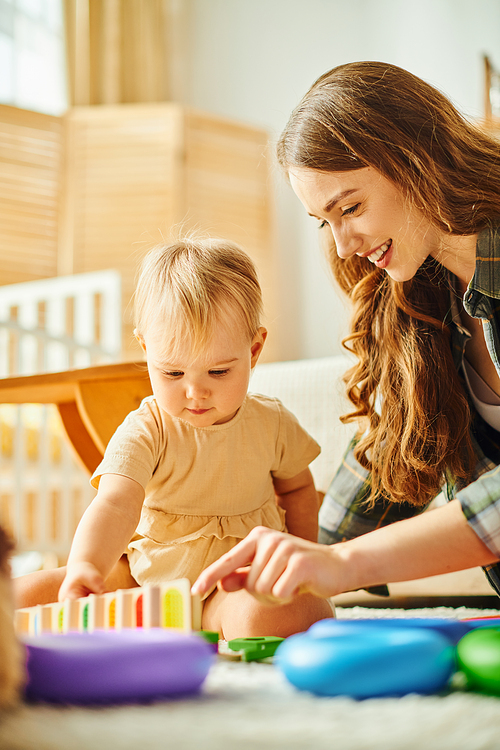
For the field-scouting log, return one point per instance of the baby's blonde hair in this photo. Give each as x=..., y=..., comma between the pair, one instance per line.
x=192, y=285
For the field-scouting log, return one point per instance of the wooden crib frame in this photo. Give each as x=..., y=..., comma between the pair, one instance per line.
x=92, y=401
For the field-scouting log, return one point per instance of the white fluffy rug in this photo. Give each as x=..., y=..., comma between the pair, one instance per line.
x=251, y=707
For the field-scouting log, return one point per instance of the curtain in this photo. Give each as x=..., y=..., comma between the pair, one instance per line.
x=119, y=51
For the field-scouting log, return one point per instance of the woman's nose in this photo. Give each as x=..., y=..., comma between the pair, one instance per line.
x=346, y=243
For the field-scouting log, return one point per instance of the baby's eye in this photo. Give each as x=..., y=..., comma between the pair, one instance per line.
x=350, y=210
x=218, y=373
x=173, y=374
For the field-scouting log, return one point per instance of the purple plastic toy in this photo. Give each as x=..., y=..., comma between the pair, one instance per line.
x=126, y=666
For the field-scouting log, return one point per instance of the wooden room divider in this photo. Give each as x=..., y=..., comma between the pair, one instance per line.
x=95, y=188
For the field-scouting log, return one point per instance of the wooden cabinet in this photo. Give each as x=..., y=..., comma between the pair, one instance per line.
x=119, y=178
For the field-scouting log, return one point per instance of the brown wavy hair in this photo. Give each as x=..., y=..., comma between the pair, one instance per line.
x=408, y=398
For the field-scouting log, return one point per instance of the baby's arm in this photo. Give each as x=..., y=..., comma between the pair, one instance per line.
x=102, y=535
x=299, y=499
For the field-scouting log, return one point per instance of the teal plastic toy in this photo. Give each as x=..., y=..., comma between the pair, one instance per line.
x=367, y=661
x=478, y=655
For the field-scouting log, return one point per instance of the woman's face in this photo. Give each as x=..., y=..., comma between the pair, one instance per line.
x=368, y=216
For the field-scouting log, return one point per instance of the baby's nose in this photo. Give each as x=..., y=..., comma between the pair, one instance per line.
x=196, y=389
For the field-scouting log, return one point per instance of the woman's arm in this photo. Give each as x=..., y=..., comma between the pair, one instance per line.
x=102, y=535
x=299, y=500
x=281, y=566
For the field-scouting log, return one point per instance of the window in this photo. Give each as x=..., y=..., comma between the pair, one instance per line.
x=32, y=55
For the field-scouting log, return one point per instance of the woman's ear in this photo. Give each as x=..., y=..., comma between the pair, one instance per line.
x=257, y=345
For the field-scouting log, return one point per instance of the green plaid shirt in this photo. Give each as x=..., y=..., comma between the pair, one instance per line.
x=344, y=515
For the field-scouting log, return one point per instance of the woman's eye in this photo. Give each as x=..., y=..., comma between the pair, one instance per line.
x=350, y=210
x=218, y=373
x=322, y=224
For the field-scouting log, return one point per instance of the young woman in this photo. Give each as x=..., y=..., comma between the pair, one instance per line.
x=407, y=195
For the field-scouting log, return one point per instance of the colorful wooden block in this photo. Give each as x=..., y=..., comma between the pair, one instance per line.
x=123, y=609
x=170, y=606
x=93, y=613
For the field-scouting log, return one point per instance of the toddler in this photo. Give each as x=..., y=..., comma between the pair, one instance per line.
x=201, y=462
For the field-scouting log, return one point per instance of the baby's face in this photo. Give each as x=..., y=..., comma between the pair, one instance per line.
x=210, y=388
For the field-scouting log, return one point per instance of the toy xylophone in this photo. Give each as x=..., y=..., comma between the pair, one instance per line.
x=168, y=605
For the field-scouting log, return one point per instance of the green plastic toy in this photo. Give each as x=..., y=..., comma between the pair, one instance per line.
x=478, y=655
x=253, y=649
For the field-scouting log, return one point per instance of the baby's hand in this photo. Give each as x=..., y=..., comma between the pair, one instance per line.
x=82, y=579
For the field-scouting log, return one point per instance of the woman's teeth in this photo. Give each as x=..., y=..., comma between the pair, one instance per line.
x=377, y=254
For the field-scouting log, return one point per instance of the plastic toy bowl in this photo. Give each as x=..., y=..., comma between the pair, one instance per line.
x=115, y=667
x=478, y=655
x=368, y=662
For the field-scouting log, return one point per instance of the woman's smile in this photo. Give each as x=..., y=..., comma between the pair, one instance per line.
x=379, y=254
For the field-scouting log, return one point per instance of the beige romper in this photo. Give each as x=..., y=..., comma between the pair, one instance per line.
x=206, y=487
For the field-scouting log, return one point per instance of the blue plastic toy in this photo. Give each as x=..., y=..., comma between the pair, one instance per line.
x=454, y=630
x=115, y=667
x=362, y=659
x=483, y=622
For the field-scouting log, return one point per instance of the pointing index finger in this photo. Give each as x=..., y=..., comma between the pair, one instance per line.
x=238, y=557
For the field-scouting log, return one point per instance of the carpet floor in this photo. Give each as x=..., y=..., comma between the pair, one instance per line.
x=250, y=706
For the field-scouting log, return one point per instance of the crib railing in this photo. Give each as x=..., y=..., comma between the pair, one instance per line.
x=53, y=324
x=48, y=326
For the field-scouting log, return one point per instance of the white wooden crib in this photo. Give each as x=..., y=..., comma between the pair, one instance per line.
x=48, y=326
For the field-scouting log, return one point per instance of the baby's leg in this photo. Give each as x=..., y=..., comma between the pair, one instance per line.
x=42, y=586
x=240, y=615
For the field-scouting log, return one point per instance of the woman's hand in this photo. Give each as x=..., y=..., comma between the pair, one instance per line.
x=82, y=579
x=279, y=566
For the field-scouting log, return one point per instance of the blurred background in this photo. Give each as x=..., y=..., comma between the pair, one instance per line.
x=243, y=61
